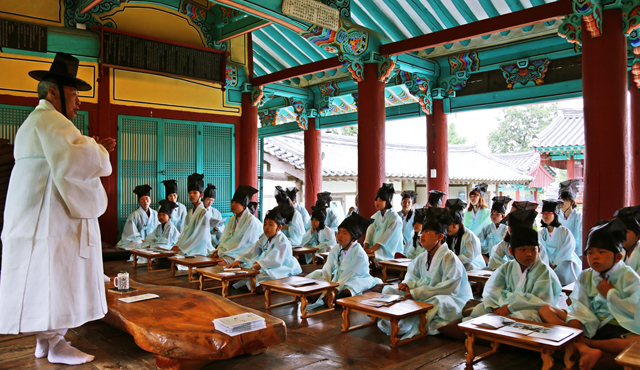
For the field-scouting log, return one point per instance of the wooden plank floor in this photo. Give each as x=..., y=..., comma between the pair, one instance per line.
x=313, y=343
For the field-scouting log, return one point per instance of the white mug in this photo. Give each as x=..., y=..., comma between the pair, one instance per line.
x=121, y=281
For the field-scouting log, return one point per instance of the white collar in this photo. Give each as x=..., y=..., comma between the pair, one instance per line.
x=435, y=256
x=630, y=256
x=608, y=274
x=522, y=275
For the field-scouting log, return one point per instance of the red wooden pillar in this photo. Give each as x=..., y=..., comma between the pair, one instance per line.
x=248, y=144
x=571, y=173
x=517, y=194
x=312, y=164
x=535, y=194
x=634, y=135
x=604, y=87
x=438, y=149
x=371, y=139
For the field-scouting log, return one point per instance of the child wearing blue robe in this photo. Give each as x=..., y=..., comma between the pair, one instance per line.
x=630, y=217
x=559, y=244
x=243, y=228
x=493, y=233
x=436, y=276
x=604, y=302
x=179, y=214
x=347, y=264
x=570, y=217
x=406, y=215
x=272, y=254
x=196, y=237
x=294, y=226
x=462, y=241
x=166, y=234
x=319, y=236
x=413, y=248
x=292, y=193
x=519, y=288
x=478, y=214
x=384, y=236
x=334, y=217
x=141, y=222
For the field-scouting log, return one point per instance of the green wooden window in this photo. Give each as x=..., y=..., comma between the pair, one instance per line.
x=151, y=150
x=12, y=116
x=260, y=175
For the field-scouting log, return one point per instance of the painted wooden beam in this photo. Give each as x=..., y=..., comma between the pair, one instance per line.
x=523, y=18
x=305, y=69
x=263, y=12
x=242, y=26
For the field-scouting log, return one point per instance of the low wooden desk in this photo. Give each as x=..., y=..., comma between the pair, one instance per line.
x=630, y=357
x=480, y=276
x=177, y=327
x=568, y=289
x=213, y=273
x=544, y=346
x=393, y=313
x=145, y=253
x=393, y=266
x=191, y=262
x=298, y=252
x=284, y=286
x=325, y=256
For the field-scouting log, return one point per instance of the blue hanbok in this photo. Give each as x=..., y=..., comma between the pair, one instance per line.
x=491, y=236
x=500, y=255
x=324, y=240
x=560, y=248
x=470, y=251
x=338, y=212
x=331, y=221
x=620, y=306
x=164, y=236
x=574, y=224
x=275, y=257
x=476, y=221
x=196, y=237
x=413, y=248
x=523, y=292
x=238, y=235
x=137, y=227
x=179, y=216
x=407, y=226
x=306, y=219
x=633, y=259
x=443, y=283
x=296, y=229
x=216, y=220
x=191, y=212
x=387, y=231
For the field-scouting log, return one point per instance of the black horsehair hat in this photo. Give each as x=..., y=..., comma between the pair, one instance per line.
x=435, y=198
x=281, y=214
x=356, y=225
x=500, y=204
x=456, y=207
x=281, y=195
x=293, y=193
x=385, y=193
x=170, y=187
x=409, y=194
x=551, y=205
x=142, y=190
x=420, y=216
x=568, y=190
x=630, y=216
x=63, y=70
x=481, y=188
x=195, y=182
x=210, y=191
x=243, y=195
x=438, y=220
x=607, y=235
x=167, y=207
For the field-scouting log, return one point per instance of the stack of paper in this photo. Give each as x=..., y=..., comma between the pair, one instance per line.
x=401, y=260
x=383, y=300
x=231, y=273
x=240, y=324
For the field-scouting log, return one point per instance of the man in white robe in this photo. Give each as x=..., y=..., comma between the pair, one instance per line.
x=52, y=274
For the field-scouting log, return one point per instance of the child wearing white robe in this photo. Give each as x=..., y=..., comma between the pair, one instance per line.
x=384, y=236
x=477, y=215
x=493, y=233
x=293, y=229
x=519, y=288
x=570, y=217
x=166, y=234
x=413, y=248
x=140, y=223
x=463, y=242
x=292, y=193
x=179, y=214
x=243, y=228
x=318, y=236
x=630, y=216
x=559, y=244
x=272, y=254
x=436, y=276
x=334, y=214
x=407, y=215
x=196, y=237
x=604, y=302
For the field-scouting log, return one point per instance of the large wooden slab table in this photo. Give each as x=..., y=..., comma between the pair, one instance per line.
x=299, y=252
x=146, y=253
x=301, y=292
x=630, y=357
x=393, y=266
x=218, y=273
x=545, y=346
x=394, y=313
x=190, y=262
x=177, y=327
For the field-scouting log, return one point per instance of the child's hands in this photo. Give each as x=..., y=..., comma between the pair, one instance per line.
x=604, y=287
x=175, y=248
x=256, y=266
x=403, y=287
x=235, y=264
x=502, y=311
x=214, y=254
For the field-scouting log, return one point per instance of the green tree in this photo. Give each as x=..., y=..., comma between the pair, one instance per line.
x=454, y=136
x=518, y=125
x=345, y=131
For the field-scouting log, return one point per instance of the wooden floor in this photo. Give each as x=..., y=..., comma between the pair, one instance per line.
x=313, y=343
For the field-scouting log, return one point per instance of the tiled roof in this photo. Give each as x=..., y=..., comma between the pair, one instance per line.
x=527, y=161
x=403, y=162
x=566, y=130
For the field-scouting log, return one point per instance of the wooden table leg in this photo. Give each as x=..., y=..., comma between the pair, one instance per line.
x=173, y=268
x=423, y=324
x=569, y=350
x=225, y=288
x=384, y=273
x=201, y=282
x=394, y=332
x=267, y=297
x=149, y=265
x=331, y=296
x=252, y=280
x=471, y=338
x=190, y=274
x=345, y=319
x=547, y=359
x=135, y=260
x=303, y=305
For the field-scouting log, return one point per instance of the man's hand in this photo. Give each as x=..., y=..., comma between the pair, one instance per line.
x=256, y=266
x=502, y=311
x=604, y=287
x=403, y=287
x=109, y=143
x=214, y=254
x=235, y=264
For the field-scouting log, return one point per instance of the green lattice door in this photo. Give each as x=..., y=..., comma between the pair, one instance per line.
x=218, y=163
x=180, y=156
x=12, y=116
x=260, y=174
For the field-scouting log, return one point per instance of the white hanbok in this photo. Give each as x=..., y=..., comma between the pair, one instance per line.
x=407, y=226
x=491, y=236
x=164, y=236
x=478, y=220
x=137, y=227
x=306, y=219
x=470, y=251
x=296, y=229
x=633, y=259
x=324, y=240
x=178, y=216
x=331, y=220
x=574, y=224
x=500, y=255
x=387, y=231
x=216, y=220
x=413, y=248
x=239, y=234
x=196, y=237
x=52, y=273
x=560, y=248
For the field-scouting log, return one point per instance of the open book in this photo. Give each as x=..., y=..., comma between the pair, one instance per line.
x=383, y=300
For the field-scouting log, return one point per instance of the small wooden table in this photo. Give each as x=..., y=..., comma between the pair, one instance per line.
x=393, y=266
x=177, y=327
x=324, y=256
x=545, y=346
x=630, y=357
x=301, y=292
x=213, y=273
x=393, y=313
x=145, y=253
x=191, y=262
x=298, y=252
x=480, y=276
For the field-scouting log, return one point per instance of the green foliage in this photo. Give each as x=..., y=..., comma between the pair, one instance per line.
x=345, y=131
x=518, y=125
x=454, y=136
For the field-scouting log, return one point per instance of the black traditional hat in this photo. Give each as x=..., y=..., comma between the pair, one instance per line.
x=167, y=207
x=356, y=225
x=409, y=194
x=435, y=198
x=456, y=207
x=281, y=195
x=279, y=213
x=142, y=190
x=326, y=196
x=385, y=193
x=170, y=187
x=253, y=206
x=64, y=71
x=568, y=189
x=243, y=195
x=319, y=214
x=481, y=188
x=210, y=191
x=320, y=205
x=438, y=220
x=500, y=204
x=523, y=205
x=524, y=218
x=195, y=182
x=630, y=216
x=607, y=235
x=292, y=193
x=420, y=216
x=523, y=235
